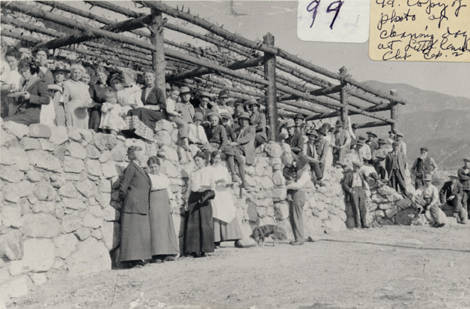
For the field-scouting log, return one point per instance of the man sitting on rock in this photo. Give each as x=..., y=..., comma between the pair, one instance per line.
x=426, y=199
x=451, y=197
x=355, y=186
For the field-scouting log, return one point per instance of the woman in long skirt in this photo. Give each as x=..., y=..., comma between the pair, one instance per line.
x=163, y=236
x=199, y=232
x=226, y=226
x=135, y=224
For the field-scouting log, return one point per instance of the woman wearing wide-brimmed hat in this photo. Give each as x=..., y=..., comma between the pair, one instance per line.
x=134, y=191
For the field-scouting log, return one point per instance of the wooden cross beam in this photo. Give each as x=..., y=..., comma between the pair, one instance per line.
x=203, y=71
x=122, y=26
x=372, y=124
x=325, y=91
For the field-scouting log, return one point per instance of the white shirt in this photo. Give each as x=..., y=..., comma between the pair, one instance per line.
x=202, y=179
x=197, y=135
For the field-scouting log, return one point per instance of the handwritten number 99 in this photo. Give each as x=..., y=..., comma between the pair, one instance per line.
x=334, y=6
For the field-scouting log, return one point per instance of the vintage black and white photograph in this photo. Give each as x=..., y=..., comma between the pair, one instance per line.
x=310, y=154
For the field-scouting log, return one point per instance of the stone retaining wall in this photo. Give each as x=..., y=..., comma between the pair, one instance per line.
x=59, y=207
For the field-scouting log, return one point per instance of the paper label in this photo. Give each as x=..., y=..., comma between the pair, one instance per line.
x=333, y=20
x=420, y=30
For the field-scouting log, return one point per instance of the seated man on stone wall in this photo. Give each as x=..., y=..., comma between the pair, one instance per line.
x=197, y=136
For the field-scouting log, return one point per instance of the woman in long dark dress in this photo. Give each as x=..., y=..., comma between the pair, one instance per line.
x=199, y=232
x=98, y=96
x=135, y=224
x=163, y=235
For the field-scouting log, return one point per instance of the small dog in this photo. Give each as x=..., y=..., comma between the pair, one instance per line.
x=270, y=230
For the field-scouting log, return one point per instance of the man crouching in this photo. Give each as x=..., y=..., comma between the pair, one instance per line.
x=426, y=200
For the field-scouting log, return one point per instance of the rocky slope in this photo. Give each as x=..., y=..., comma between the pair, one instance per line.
x=435, y=120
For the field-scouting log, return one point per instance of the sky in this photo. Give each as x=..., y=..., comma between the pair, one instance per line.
x=256, y=18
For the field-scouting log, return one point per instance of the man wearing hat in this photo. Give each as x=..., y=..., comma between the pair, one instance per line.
x=372, y=142
x=363, y=150
x=426, y=199
x=423, y=165
x=244, y=144
x=299, y=189
x=185, y=108
x=396, y=169
x=451, y=198
x=379, y=160
x=258, y=121
x=355, y=187
x=401, y=142
x=464, y=178
x=342, y=142
x=298, y=141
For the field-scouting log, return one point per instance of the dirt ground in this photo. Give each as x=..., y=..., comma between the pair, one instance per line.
x=390, y=267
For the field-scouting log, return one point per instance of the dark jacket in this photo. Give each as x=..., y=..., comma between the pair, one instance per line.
x=464, y=178
x=348, y=180
x=400, y=164
x=422, y=167
x=447, y=190
x=246, y=140
x=135, y=190
x=38, y=95
x=217, y=135
x=155, y=97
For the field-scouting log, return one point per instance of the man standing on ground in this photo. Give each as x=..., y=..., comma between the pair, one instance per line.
x=464, y=177
x=423, y=165
x=355, y=187
x=395, y=166
x=299, y=189
x=342, y=142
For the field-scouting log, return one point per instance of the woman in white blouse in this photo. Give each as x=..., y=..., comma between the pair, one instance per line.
x=163, y=235
x=226, y=226
x=77, y=98
x=198, y=231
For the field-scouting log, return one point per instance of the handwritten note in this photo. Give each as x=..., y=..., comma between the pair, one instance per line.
x=333, y=20
x=420, y=30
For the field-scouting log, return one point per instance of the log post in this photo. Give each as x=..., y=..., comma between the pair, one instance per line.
x=158, y=55
x=270, y=76
x=343, y=72
x=393, y=111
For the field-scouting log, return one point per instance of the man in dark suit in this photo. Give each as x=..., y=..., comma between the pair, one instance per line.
x=395, y=166
x=355, y=185
x=423, y=165
x=134, y=191
x=451, y=196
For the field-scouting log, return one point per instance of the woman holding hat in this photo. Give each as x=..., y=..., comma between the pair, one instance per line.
x=134, y=191
x=163, y=236
x=299, y=189
x=198, y=230
x=77, y=98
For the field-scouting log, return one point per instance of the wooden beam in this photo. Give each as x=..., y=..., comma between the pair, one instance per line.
x=327, y=90
x=270, y=76
x=203, y=71
x=118, y=52
x=122, y=26
x=393, y=112
x=372, y=109
x=372, y=124
x=158, y=56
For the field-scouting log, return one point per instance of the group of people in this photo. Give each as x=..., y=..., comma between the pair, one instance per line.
x=213, y=130
x=112, y=102
x=147, y=229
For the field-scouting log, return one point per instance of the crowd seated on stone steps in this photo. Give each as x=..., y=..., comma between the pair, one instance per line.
x=36, y=89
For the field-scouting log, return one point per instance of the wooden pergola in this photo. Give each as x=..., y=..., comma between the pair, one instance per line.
x=254, y=69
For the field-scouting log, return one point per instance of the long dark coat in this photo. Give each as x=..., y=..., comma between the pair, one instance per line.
x=135, y=190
